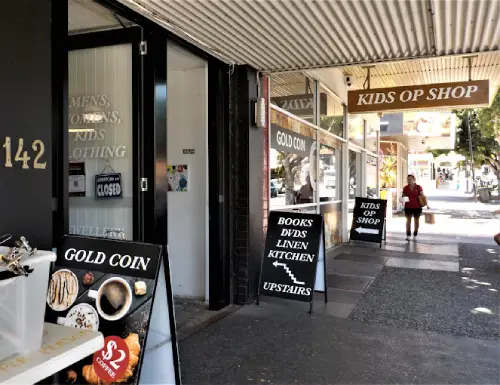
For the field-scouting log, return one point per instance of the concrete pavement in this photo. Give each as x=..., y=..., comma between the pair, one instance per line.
x=397, y=315
x=457, y=215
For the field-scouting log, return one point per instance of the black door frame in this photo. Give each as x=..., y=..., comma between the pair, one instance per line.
x=151, y=114
x=130, y=36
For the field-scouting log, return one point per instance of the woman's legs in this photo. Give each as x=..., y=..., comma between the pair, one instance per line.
x=408, y=226
x=416, y=226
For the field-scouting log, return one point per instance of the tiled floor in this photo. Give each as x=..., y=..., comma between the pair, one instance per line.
x=192, y=315
x=427, y=264
x=360, y=269
x=352, y=268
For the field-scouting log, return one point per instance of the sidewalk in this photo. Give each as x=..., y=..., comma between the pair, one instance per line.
x=456, y=215
x=425, y=313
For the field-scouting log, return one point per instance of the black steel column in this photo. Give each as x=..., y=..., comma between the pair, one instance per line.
x=246, y=173
x=59, y=40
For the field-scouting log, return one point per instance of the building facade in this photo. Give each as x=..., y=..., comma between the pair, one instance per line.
x=320, y=157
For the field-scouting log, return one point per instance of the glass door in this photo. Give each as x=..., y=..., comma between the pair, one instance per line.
x=101, y=146
x=355, y=171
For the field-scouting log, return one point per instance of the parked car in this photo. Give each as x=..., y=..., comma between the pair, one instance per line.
x=274, y=189
x=280, y=185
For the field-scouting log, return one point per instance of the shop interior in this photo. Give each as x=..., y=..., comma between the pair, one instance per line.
x=305, y=111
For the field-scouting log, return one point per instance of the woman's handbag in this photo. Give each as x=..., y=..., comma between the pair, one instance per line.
x=422, y=200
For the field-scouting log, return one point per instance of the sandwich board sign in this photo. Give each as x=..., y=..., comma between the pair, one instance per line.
x=368, y=221
x=293, y=266
x=123, y=290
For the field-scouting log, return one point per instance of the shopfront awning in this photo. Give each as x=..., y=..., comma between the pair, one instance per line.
x=284, y=35
x=485, y=66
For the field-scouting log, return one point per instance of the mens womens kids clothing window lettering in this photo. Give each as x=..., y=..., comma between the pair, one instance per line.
x=100, y=142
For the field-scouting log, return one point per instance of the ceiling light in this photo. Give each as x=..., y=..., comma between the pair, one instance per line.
x=93, y=117
x=81, y=130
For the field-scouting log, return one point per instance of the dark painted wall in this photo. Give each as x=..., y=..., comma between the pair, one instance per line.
x=256, y=176
x=246, y=171
x=26, y=111
x=218, y=169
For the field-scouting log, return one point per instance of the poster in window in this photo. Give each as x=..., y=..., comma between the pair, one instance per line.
x=76, y=179
x=177, y=178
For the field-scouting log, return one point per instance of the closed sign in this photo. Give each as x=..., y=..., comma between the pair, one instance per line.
x=108, y=186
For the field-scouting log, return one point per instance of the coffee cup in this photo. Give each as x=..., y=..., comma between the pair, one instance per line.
x=81, y=316
x=113, y=298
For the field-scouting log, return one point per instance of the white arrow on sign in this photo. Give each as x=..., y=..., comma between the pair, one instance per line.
x=289, y=272
x=362, y=230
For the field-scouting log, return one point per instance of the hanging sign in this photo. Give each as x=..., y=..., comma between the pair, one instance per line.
x=368, y=220
x=460, y=94
x=301, y=105
x=108, y=186
x=108, y=285
x=289, y=267
x=290, y=142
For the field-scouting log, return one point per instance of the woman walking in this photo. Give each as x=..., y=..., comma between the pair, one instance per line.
x=415, y=200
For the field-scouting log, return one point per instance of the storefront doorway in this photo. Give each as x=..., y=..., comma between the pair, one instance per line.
x=134, y=154
x=188, y=176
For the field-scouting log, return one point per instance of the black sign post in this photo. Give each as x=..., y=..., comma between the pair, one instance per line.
x=368, y=221
x=289, y=267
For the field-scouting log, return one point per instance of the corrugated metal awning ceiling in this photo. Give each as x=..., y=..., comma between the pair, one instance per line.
x=438, y=70
x=282, y=35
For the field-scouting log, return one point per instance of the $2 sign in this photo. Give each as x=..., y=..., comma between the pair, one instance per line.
x=111, y=362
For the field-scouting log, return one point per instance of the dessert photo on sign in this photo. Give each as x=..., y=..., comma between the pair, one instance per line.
x=115, y=305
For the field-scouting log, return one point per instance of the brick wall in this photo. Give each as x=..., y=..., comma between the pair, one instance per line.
x=246, y=179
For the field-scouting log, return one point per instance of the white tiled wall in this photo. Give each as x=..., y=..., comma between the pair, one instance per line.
x=102, y=74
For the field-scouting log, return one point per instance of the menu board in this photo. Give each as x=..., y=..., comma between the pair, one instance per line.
x=108, y=286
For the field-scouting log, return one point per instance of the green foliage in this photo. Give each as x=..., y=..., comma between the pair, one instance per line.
x=388, y=168
x=333, y=124
x=484, y=126
x=437, y=153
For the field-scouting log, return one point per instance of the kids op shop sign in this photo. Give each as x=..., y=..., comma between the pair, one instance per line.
x=471, y=93
x=368, y=220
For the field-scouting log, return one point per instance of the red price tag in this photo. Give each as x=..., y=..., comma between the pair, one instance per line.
x=111, y=362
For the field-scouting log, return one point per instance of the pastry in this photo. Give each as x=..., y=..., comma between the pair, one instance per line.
x=134, y=348
x=71, y=376
x=140, y=288
x=63, y=290
x=88, y=278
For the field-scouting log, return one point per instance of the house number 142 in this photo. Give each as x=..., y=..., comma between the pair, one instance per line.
x=22, y=156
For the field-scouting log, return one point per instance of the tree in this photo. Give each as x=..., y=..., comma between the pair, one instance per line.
x=333, y=124
x=291, y=164
x=485, y=135
x=437, y=153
